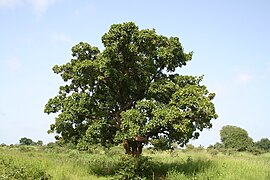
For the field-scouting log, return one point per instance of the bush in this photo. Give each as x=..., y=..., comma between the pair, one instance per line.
x=135, y=168
x=255, y=150
x=3, y=145
x=10, y=170
x=263, y=144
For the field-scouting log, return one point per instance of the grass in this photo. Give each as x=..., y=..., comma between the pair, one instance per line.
x=45, y=163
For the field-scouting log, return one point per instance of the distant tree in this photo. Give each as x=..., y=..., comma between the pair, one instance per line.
x=39, y=143
x=129, y=93
x=218, y=146
x=26, y=141
x=263, y=144
x=236, y=138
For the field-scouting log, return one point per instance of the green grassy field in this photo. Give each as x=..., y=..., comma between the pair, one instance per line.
x=59, y=163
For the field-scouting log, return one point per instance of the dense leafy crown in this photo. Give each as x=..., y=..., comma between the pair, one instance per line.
x=129, y=90
x=235, y=137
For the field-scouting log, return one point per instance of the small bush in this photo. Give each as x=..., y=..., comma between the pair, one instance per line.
x=255, y=150
x=3, y=145
x=135, y=168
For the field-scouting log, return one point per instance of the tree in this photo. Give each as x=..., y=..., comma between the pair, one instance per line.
x=26, y=141
x=236, y=138
x=39, y=143
x=129, y=93
x=263, y=144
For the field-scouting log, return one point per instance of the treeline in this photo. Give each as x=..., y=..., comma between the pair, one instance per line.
x=234, y=138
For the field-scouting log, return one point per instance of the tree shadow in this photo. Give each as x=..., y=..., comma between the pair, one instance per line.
x=146, y=167
x=189, y=167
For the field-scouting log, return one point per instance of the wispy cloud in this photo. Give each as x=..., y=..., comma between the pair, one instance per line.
x=60, y=37
x=9, y=3
x=39, y=6
x=243, y=78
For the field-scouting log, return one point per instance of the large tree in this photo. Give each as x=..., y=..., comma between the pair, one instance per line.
x=129, y=93
x=236, y=138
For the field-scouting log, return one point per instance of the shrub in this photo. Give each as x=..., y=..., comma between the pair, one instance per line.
x=263, y=144
x=10, y=170
x=135, y=168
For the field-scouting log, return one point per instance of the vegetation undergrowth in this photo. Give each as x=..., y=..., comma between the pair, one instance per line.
x=62, y=163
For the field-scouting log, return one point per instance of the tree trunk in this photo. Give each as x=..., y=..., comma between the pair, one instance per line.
x=134, y=146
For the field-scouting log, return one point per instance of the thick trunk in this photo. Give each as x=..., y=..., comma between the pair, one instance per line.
x=133, y=147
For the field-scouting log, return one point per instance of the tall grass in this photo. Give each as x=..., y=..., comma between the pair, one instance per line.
x=44, y=163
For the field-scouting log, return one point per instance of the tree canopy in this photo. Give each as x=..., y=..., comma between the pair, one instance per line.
x=235, y=137
x=26, y=141
x=129, y=92
x=263, y=144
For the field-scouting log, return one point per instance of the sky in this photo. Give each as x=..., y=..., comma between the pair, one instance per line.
x=230, y=40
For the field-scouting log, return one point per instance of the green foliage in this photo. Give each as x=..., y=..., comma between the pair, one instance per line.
x=10, y=170
x=263, y=144
x=235, y=138
x=162, y=144
x=39, y=143
x=129, y=90
x=26, y=141
x=135, y=168
x=38, y=163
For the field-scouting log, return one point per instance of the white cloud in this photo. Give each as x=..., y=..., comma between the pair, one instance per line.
x=60, y=37
x=243, y=78
x=39, y=6
x=9, y=3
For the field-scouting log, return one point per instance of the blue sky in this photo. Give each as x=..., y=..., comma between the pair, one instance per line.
x=230, y=40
